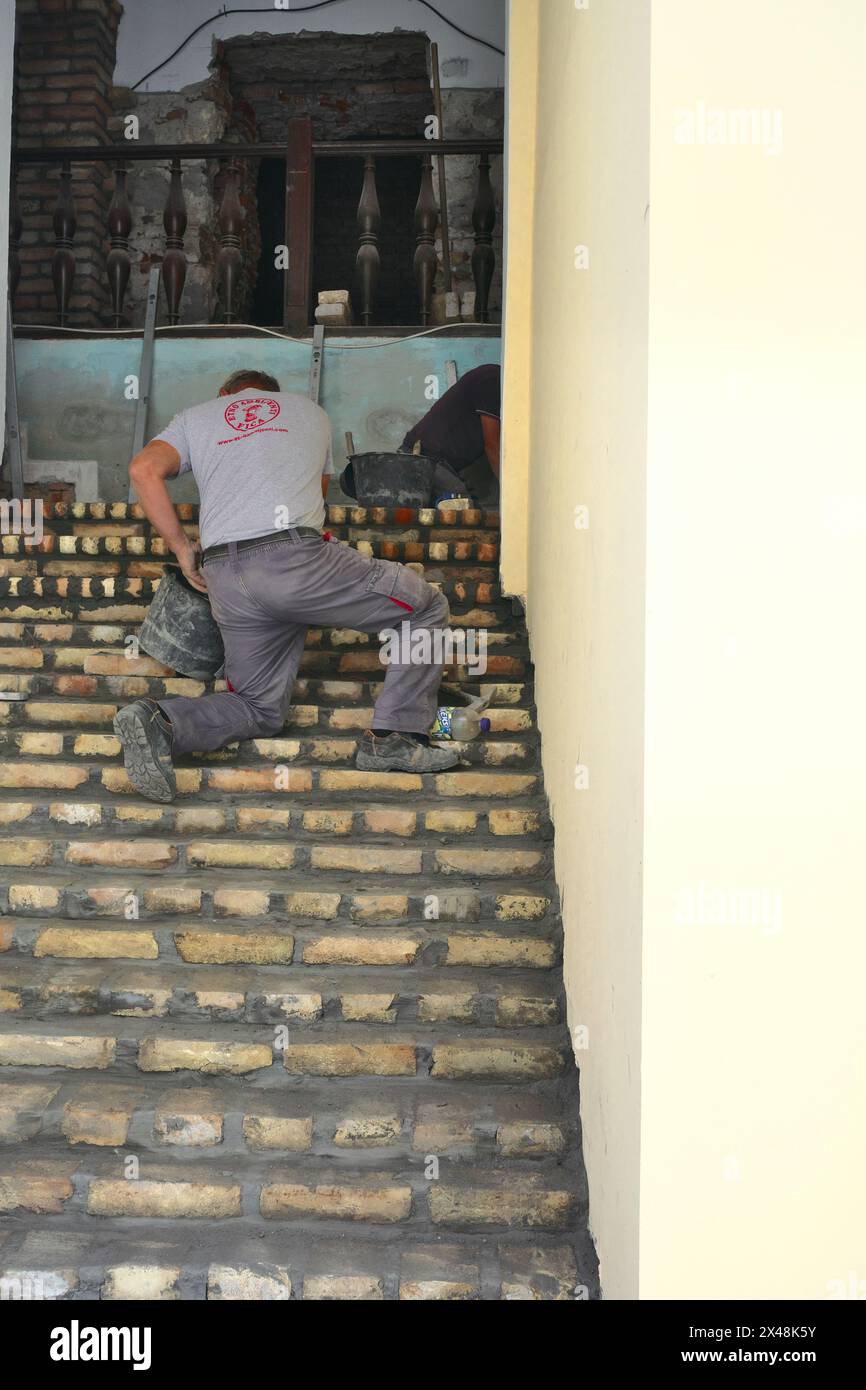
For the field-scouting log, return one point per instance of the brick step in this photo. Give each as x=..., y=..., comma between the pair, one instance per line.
x=66, y=514
x=292, y=857
x=39, y=894
x=81, y=587
x=508, y=664
x=441, y=1053
x=214, y=781
x=338, y=703
x=116, y=544
x=250, y=815
x=91, y=740
x=27, y=722
x=109, y=1264
x=329, y=1120
x=273, y=944
x=90, y=1183
x=300, y=995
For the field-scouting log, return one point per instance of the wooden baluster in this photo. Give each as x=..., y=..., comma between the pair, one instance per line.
x=174, y=262
x=119, y=227
x=230, y=219
x=369, y=222
x=15, y=228
x=483, y=222
x=63, y=260
x=426, y=218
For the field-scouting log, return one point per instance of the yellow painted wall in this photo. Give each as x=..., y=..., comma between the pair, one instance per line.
x=754, y=1040
x=699, y=388
x=586, y=446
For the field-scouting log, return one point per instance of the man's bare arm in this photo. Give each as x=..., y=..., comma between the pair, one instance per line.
x=148, y=472
x=490, y=428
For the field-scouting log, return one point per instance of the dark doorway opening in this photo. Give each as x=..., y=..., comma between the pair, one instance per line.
x=335, y=239
x=267, y=302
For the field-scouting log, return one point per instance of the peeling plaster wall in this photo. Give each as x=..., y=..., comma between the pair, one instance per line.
x=377, y=393
x=150, y=29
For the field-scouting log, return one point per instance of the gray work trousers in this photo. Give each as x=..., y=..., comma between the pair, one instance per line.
x=264, y=599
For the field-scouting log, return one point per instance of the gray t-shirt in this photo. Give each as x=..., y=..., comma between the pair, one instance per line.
x=258, y=458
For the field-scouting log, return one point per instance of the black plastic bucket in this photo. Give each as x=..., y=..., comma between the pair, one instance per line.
x=390, y=480
x=180, y=631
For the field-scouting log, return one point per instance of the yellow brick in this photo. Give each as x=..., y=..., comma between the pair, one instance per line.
x=269, y=779
x=329, y=822
x=75, y=813
x=361, y=950
x=451, y=822
x=383, y=820
x=60, y=775
x=265, y=1132
x=210, y=1058
x=139, y=815
x=171, y=899
x=68, y=712
x=321, y=906
x=189, y=1119
x=250, y=820
x=260, y=948
x=366, y=860
x=482, y=1060
x=33, y=897
x=489, y=949
x=96, y=746
x=513, y=822
x=343, y=1288
x=80, y=942
x=344, y=1059
x=337, y=1202
x=368, y=1008
x=141, y=1198
x=121, y=854
x=239, y=854
x=119, y=664
x=484, y=784
x=196, y=819
x=39, y=745
x=445, y=1008
x=520, y=907
x=378, y=907
x=28, y=658
x=27, y=853
x=488, y=863
x=100, y=1116
x=10, y=1001
x=230, y=902
x=42, y=1192
x=226, y=1283
x=48, y=1050
x=334, y=780
x=500, y=1206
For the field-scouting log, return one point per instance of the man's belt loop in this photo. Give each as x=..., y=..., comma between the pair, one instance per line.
x=233, y=554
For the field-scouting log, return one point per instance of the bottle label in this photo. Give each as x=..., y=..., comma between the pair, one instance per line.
x=442, y=723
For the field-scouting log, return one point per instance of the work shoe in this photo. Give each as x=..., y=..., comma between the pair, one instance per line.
x=145, y=737
x=401, y=753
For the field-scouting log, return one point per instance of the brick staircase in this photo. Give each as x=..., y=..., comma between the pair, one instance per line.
x=300, y=1033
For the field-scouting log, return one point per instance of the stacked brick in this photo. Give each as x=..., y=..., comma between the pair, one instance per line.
x=64, y=69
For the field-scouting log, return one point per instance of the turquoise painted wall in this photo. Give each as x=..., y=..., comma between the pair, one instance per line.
x=71, y=391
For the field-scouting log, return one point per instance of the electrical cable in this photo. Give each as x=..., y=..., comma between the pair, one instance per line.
x=303, y=9
x=134, y=333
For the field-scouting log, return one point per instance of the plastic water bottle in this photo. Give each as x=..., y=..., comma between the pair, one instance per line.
x=462, y=722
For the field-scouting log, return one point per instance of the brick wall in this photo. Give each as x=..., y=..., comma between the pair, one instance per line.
x=65, y=56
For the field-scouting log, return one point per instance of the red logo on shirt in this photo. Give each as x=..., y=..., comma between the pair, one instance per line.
x=251, y=413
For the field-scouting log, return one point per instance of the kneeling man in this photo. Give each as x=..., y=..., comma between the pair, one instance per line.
x=262, y=460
